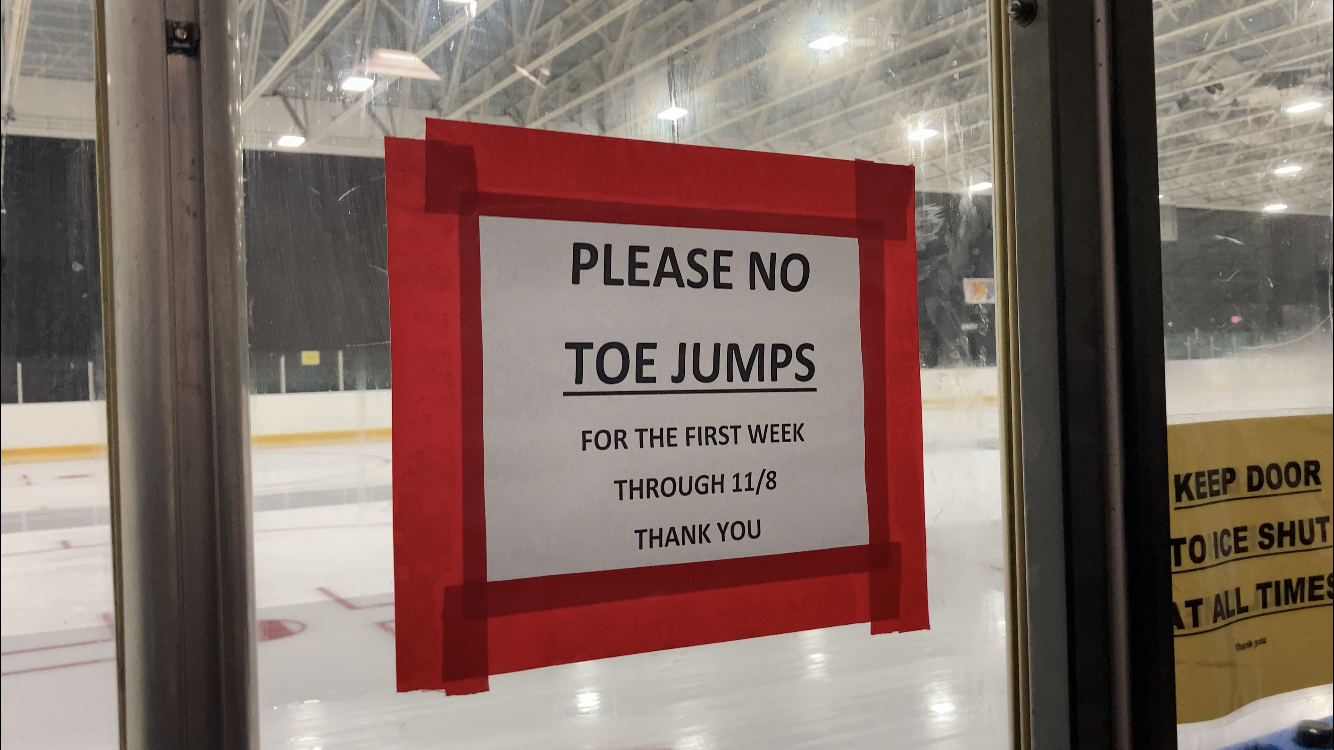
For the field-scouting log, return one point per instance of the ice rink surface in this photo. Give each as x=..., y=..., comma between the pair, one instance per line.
x=323, y=566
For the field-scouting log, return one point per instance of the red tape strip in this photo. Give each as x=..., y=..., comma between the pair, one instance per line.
x=447, y=613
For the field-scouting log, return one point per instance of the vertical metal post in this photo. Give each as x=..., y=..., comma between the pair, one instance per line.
x=1088, y=280
x=92, y=383
x=18, y=373
x=340, y=369
x=282, y=373
x=174, y=323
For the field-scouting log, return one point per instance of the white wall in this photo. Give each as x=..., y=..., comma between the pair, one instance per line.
x=953, y=401
x=84, y=422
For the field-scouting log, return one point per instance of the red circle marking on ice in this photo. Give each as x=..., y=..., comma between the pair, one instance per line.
x=272, y=630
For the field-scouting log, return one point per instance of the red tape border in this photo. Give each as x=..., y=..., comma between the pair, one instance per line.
x=453, y=628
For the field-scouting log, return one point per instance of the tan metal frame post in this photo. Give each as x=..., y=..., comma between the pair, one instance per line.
x=1007, y=370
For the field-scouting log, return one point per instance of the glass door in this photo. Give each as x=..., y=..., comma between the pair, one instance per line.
x=1244, y=127
x=326, y=83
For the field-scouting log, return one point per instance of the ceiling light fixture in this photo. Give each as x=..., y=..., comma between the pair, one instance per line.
x=828, y=42
x=357, y=84
x=978, y=187
x=1300, y=107
x=673, y=113
x=396, y=62
x=1289, y=169
x=1276, y=207
x=922, y=134
x=291, y=141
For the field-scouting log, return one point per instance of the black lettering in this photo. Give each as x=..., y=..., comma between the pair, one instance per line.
x=1274, y=476
x=775, y=362
x=806, y=362
x=717, y=364
x=719, y=269
x=579, y=263
x=756, y=361
x=619, y=348
x=1239, y=539
x=607, y=279
x=636, y=264
x=703, y=272
x=680, y=365
x=668, y=259
x=1229, y=477
x=1177, y=544
x=1255, y=478
x=1292, y=473
x=1182, y=482
x=766, y=276
x=1290, y=532
x=1312, y=471
x=578, y=348
x=1266, y=536
x=1194, y=605
x=1215, y=483
x=642, y=361
x=805, y=272
x=1197, y=557
x=1294, y=591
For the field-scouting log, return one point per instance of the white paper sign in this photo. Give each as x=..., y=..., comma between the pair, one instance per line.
x=602, y=454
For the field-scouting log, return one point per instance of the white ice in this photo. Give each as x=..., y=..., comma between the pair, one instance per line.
x=324, y=585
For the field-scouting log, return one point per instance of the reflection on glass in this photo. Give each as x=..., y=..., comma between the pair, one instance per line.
x=57, y=671
x=870, y=80
x=1244, y=134
x=322, y=83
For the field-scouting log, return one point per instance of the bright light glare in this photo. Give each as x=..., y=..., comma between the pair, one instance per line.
x=587, y=703
x=1290, y=169
x=826, y=43
x=672, y=114
x=291, y=141
x=357, y=84
x=942, y=709
x=1275, y=207
x=1297, y=109
x=978, y=187
x=922, y=134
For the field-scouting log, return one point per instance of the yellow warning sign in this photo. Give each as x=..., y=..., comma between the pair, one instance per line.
x=310, y=358
x=1252, y=572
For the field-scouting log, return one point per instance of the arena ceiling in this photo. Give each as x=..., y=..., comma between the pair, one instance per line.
x=907, y=83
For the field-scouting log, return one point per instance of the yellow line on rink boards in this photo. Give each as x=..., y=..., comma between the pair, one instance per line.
x=90, y=451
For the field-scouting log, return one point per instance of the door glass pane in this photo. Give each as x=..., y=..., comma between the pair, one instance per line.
x=1244, y=139
x=903, y=83
x=56, y=620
